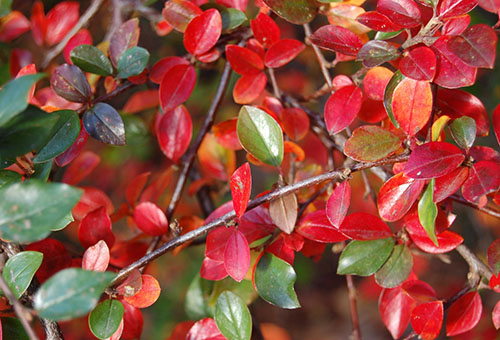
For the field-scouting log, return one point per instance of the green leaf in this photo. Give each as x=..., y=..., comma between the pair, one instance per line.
x=20, y=269
x=5, y=7
x=243, y=289
x=397, y=77
x=105, y=319
x=233, y=317
x=377, y=52
x=29, y=210
x=427, y=212
x=28, y=131
x=397, y=268
x=63, y=135
x=260, y=135
x=297, y=12
x=7, y=176
x=42, y=170
x=196, y=303
x=14, y=96
x=63, y=222
x=13, y=329
x=70, y=293
x=274, y=280
x=232, y=18
x=364, y=258
x=132, y=62
x=463, y=131
x=370, y=143
x=386, y=35
x=90, y=59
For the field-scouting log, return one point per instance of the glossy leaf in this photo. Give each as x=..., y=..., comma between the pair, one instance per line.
x=205, y=329
x=363, y=226
x=162, y=66
x=464, y=314
x=378, y=22
x=483, y=179
x=448, y=184
x=82, y=37
x=90, y=59
x=104, y=123
x=150, y=219
x=178, y=13
x=174, y=132
x=397, y=195
x=395, y=306
x=283, y=211
x=232, y=18
x=29, y=210
x=453, y=8
x=282, y=52
x=105, y=319
x=149, y=293
x=463, y=130
x=476, y=46
x=338, y=39
x=496, y=123
x=232, y=317
x=70, y=293
x=419, y=63
x=342, y=108
x=316, y=226
x=456, y=25
x=371, y=143
x=493, y=255
x=70, y=82
x=297, y=12
x=377, y=52
x=243, y=60
x=274, y=280
x=241, y=186
x=60, y=20
x=132, y=62
x=433, y=159
x=364, y=258
x=375, y=82
x=203, y=32
x=495, y=315
x=403, y=12
x=20, y=269
x=260, y=135
x=396, y=269
x=237, y=256
x=176, y=86
x=427, y=319
x=96, y=257
x=265, y=30
x=389, y=94
x=249, y=87
x=427, y=212
x=338, y=203
x=124, y=38
x=295, y=123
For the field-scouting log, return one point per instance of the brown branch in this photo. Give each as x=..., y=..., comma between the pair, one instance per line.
x=351, y=289
x=89, y=13
x=475, y=264
x=486, y=210
x=319, y=56
x=116, y=19
x=274, y=83
x=340, y=174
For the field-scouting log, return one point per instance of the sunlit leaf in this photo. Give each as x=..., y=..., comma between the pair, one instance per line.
x=427, y=212
x=105, y=319
x=371, y=143
x=232, y=317
x=132, y=62
x=364, y=258
x=297, y=12
x=396, y=269
x=464, y=314
x=90, y=59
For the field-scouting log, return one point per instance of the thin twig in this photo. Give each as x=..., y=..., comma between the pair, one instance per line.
x=475, y=264
x=280, y=192
x=116, y=19
x=486, y=210
x=274, y=83
x=351, y=289
x=319, y=56
x=89, y=13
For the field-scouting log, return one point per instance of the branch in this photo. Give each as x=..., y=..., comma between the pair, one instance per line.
x=319, y=56
x=337, y=175
x=486, y=210
x=351, y=289
x=89, y=13
x=475, y=264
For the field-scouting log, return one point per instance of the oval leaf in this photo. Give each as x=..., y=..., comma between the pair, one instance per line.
x=283, y=211
x=90, y=59
x=464, y=314
x=338, y=203
x=363, y=226
x=203, y=32
x=338, y=39
x=427, y=212
x=433, y=159
x=233, y=317
x=397, y=195
x=371, y=143
x=124, y=38
x=20, y=269
x=132, y=62
x=150, y=219
x=105, y=319
x=427, y=319
x=241, y=186
x=282, y=52
x=316, y=226
x=96, y=257
x=342, y=108
x=297, y=12
x=70, y=82
x=364, y=258
x=237, y=256
x=104, y=123
x=396, y=269
x=476, y=46
x=176, y=86
x=174, y=132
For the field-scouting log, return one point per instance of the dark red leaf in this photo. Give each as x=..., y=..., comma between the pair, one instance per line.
x=484, y=178
x=490, y=5
x=397, y=195
x=427, y=319
x=81, y=167
x=464, y=314
x=418, y=290
x=316, y=226
x=124, y=253
x=176, y=86
x=124, y=38
x=213, y=269
x=164, y=65
x=55, y=257
x=395, y=307
x=243, y=60
x=150, y=219
x=178, y=13
x=433, y=159
x=456, y=25
x=237, y=255
x=248, y=88
x=364, y=226
x=338, y=203
x=216, y=243
x=92, y=199
x=174, y=132
x=403, y=12
x=265, y=30
x=256, y=224
x=96, y=257
x=74, y=150
x=19, y=58
x=493, y=256
x=419, y=63
x=282, y=52
x=60, y=20
x=476, y=46
x=82, y=37
x=281, y=249
x=205, y=329
x=70, y=82
x=484, y=153
x=342, y=107
x=448, y=184
x=135, y=187
x=295, y=123
x=496, y=123
x=94, y=227
x=203, y=32
x=453, y=8
x=338, y=39
x=132, y=322
x=241, y=186
x=378, y=22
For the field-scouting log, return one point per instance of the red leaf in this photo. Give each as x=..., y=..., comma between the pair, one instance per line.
x=124, y=38
x=124, y=253
x=281, y=249
x=493, y=256
x=447, y=240
x=135, y=187
x=55, y=257
x=338, y=39
x=205, y=329
x=92, y=199
x=216, y=161
x=412, y=105
x=495, y=316
x=150, y=219
x=174, y=132
x=484, y=178
x=282, y=52
x=342, y=107
x=241, y=186
x=456, y=25
x=265, y=30
x=69, y=82
x=256, y=224
x=364, y=226
x=141, y=100
x=203, y=32
x=459, y=103
x=94, y=227
x=453, y=8
x=295, y=123
x=213, y=269
x=496, y=123
x=82, y=37
x=178, y=13
x=237, y=255
x=476, y=46
x=226, y=135
x=427, y=319
x=162, y=66
x=176, y=86
x=495, y=283
x=342, y=80
x=451, y=71
x=464, y=314
x=418, y=290
x=338, y=203
x=243, y=60
x=132, y=322
x=216, y=243
x=419, y=63
x=181, y=330
x=433, y=159
x=372, y=111
x=403, y=12
x=490, y=5
x=38, y=23
x=375, y=82
x=60, y=20
x=395, y=306
x=74, y=150
x=484, y=153
x=316, y=226
x=397, y=195
x=448, y=184
x=19, y=58
x=96, y=257
x=81, y=167
x=149, y=293
x=378, y=22
x=248, y=88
